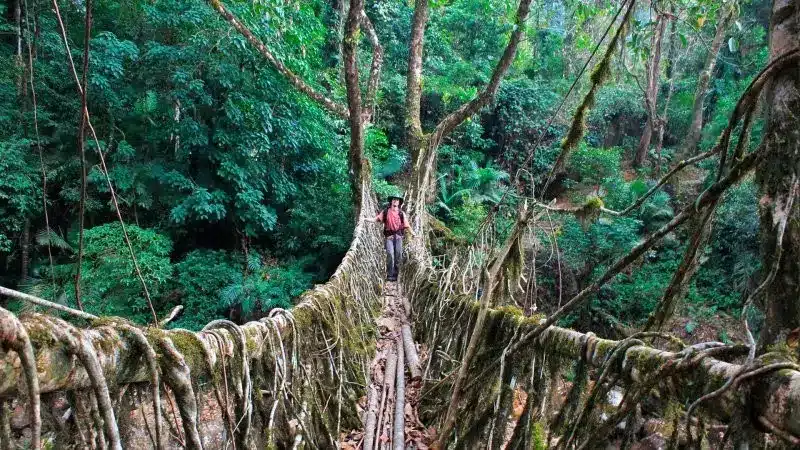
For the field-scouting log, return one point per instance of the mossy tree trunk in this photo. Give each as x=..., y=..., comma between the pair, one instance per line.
x=778, y=178
x=696, y=125
x=651, y=90
x=423, y=146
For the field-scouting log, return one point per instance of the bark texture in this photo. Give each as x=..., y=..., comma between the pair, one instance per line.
x=779, y=172
x=355, y=154
x=703, y=80
x=651, y=90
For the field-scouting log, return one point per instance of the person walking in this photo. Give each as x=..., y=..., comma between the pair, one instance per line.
x=394, y=226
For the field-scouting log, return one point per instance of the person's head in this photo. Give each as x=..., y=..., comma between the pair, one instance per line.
x=395, y=203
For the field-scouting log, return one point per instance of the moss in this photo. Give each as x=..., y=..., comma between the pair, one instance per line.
x=511, y=309
x=593, y=202
x=538, y=436
x=534, y=319
x=782, y=353
x=38, y=332
x=250, y=345
x=108, y=341
x=109, y=321
x=189, y=345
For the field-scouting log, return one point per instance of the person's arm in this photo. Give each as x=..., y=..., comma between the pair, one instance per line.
x=378, y=218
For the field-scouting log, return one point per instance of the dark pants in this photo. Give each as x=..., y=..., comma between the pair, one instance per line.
x=394, y=256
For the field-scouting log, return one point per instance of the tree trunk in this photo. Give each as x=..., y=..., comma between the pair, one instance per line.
x=350, y=54
x=777, y=179
x=670, y=72
x=696, y=126
x=651, y=95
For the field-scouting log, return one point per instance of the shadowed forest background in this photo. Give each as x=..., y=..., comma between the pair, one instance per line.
x=234, y=186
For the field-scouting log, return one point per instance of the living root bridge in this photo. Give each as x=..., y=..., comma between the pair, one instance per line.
x=292, y=377
x=444, y=324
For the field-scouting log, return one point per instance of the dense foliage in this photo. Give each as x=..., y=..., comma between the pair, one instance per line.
x=234, y=186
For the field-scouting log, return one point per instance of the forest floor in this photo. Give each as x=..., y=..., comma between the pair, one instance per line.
x=379, y=408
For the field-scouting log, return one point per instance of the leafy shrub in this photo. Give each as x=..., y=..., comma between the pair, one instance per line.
x=109, y=283
x=265, y=286
x=211, y=282
x=598, y=244
x=593, y=165
x=199, y=277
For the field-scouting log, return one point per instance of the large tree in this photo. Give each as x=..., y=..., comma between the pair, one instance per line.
x=778, y=183
x=422, y=144
x=725, y=13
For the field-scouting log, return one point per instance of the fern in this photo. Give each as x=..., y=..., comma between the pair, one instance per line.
x=49, y=237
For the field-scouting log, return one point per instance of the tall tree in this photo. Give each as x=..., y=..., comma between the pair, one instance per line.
x=651, y=90
x=355, y=112
x=701, y=91
x=778, y=183
x=424, y=145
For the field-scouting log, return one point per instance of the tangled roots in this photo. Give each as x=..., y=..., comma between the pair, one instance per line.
x=243, y=387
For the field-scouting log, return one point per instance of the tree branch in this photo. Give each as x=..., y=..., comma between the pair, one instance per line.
x=704, y=200
x=44, y=303
x=327, y=103
x=455, y=118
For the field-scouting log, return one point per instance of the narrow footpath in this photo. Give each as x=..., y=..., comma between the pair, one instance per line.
x=395, y=373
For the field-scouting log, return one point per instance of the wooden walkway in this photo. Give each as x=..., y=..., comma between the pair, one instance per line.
x=395, y=372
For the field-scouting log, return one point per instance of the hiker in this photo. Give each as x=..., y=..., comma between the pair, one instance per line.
x=394, y=225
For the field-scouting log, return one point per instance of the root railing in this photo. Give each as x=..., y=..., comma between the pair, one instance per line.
x=664, y=383
x=290, y=378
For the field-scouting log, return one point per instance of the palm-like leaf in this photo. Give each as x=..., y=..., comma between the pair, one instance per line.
x=51, y=238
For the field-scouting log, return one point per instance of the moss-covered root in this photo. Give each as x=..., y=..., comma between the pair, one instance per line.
x=177, y=376
x=150, y=357
x=14, y=337
x=243, y=387
x=77, y=345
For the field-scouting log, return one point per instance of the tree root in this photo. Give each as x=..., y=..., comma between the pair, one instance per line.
x=410, y=352
x=242, y=386
x=77, y=345
x=13, y=336
x=389, y=374
x=150, y=357
x=176, y=375
x=5, y=425
x=398, y=439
